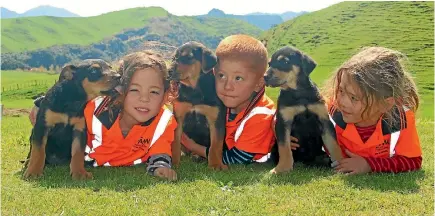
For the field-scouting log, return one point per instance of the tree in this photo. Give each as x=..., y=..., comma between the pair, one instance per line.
x=58, y=69
x=51, y=68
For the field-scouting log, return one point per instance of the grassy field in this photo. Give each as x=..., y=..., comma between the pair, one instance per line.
x=243, y=190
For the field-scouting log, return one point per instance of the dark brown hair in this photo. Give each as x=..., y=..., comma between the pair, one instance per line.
x=136, y=61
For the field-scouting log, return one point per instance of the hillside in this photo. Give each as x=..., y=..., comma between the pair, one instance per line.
x=6, y=13
x=47, y=10
x=31, y=33
x=43, y=10
x=285, y=16
x=333, y=34
x=170, y=32
x=262, y=21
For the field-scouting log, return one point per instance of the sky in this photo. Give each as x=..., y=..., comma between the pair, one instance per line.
x=177, y=7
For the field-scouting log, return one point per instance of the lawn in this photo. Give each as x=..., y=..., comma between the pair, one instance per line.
x=243, y=190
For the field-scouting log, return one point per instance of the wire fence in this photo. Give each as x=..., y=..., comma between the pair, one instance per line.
x=28, y=84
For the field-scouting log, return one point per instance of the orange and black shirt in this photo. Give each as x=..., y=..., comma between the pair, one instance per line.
x=149, y=142
x=249, y=135
x=387, y=148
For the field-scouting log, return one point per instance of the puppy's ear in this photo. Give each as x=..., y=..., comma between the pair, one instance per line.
x=209, y=60
x=67, y=72
x=308, y=64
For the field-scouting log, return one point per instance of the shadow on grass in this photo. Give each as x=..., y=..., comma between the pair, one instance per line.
x=401, y=182
x=132, y=178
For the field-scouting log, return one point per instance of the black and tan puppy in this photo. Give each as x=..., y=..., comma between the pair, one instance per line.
x=301, y=110
x=59, y=134
x=199, y=112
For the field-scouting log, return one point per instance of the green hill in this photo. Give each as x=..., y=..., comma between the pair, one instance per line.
x=333, y=34
x=25, y=34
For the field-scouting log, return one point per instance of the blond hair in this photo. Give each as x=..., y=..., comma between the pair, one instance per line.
x=379, y=73
x=246, y=49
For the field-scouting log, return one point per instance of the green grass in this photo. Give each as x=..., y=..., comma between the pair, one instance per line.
x=334, y=34
x=18, y=87
x=30, y=33
x=243, y=190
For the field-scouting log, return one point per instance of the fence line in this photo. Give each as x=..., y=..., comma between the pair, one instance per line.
x=28, y=84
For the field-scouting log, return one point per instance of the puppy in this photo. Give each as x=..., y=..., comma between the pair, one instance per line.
x=301, y=110
x=59, y=134
x=198, y=110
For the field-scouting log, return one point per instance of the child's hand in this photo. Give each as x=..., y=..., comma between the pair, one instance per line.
x=32, y=115
x=355, y=164
x=192, y=146
x=167, y=173
x=293, y=143
x=187, y=142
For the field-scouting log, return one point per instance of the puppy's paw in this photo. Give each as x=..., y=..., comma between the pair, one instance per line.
x=218, y=167
x=81, y=175
x=281, y=169
x=32, y=173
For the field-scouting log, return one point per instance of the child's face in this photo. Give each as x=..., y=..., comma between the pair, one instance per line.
x=145, y=95
x=235, y=84
x=351, y=104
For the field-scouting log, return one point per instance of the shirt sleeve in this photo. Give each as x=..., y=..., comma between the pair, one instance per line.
x=158, y=160
x=394, y=164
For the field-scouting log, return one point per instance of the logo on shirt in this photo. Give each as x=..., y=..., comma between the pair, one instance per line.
x=383, y=148
x=141, y=144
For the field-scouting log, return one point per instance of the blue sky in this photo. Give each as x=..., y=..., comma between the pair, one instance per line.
x=177, y=7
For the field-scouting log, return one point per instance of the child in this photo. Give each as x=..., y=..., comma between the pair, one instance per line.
x=242, y=62
x=135, y=126
x=373, y=101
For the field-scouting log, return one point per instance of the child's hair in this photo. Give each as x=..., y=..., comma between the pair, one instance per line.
x=379, y=73
x=136, y=61
x=244, y=48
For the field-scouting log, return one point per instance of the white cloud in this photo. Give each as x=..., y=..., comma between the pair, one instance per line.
x=177, y=7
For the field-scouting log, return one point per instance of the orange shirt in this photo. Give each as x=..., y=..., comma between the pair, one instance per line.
x=253, y=133
x=107, y=146
x=400, y=139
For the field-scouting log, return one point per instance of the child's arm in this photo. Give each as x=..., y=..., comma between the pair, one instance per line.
x=233, y=156
x=158, y=160
x=395, y=164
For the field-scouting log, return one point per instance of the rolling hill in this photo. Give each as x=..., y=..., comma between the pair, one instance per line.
x=169, y=30
x=333, y=34
x=262, y=21
x=31, y=33
x=43, y=10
